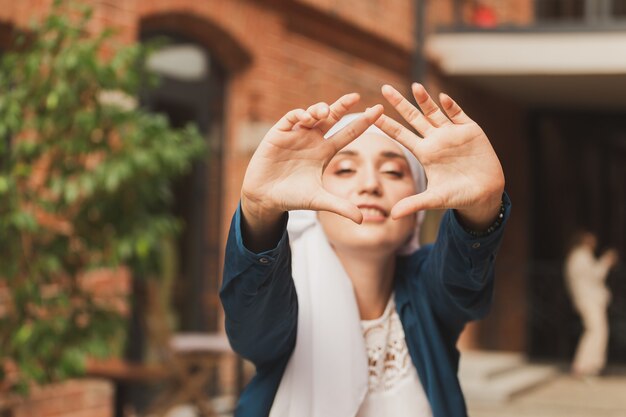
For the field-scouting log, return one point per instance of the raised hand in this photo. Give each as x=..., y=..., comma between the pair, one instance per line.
x=285, y=172
x=610, y=257
x=461, y=166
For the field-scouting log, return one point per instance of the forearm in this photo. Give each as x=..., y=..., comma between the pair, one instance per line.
x=261, y=227
x=461, y=268
x=258, y=296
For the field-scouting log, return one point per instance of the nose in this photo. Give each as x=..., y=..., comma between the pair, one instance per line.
x=369, y=182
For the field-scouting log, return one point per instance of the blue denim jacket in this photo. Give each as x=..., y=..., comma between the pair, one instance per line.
x=438, y=289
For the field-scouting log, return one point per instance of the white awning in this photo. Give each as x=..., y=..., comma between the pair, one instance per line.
x=571, y=53
x=572, y=69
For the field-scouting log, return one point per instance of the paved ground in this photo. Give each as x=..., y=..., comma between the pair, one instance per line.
x=564, y=396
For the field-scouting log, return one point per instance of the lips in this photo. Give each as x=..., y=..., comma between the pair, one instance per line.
x=372, y=211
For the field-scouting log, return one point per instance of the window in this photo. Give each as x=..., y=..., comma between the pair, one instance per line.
x=190, y=91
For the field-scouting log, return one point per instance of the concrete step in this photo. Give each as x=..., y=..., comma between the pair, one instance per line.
x=494, y=377
x=222, y=406
x=487, y=364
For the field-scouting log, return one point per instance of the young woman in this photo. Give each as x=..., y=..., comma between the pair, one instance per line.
x=326, y=289
x=585, y=278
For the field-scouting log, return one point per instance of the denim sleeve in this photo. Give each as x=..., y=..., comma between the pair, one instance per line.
x=460, y=270
x=259, y=298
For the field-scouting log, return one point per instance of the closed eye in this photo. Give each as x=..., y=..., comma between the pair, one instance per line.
x=397, y=174
x=344, y=171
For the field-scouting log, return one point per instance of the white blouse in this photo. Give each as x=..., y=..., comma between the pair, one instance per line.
x=394, y=386
x=586, y=278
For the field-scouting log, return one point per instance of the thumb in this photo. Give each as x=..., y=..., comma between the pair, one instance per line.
x=328, y=202
x=423, y=201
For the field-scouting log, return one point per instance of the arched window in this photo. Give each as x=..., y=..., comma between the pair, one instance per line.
x=191, y=91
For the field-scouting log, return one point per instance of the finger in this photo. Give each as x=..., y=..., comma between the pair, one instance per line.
x=355, y=128
x=337, y=110
x=398, y=132
x=288, y=121
x=328, y=202
x=453, y=110
x=415, y=203
x=318, y=111
x=430, y=109
x=408, y=111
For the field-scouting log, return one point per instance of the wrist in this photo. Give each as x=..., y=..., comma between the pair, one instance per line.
x=480, y=217
x=257, y=213
x=484, y=220
x=261, y=228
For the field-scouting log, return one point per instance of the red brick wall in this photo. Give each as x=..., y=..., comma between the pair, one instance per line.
x=510, y=12
x=76, y=398
x=19, y=13
x=392, y=19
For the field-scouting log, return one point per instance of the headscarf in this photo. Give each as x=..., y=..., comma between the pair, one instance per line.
x=327, y=373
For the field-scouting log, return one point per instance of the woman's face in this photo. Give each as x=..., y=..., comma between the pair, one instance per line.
x=372, y=173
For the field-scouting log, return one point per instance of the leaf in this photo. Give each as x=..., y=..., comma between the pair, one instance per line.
x=72, y=363
x=23, y=335
x=4, y=184
x=71, y=191
x=52, y=101
x=24, y=221
x=142, y=247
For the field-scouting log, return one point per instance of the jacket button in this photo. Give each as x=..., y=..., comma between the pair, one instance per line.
x=476, y=245
x=264, y=260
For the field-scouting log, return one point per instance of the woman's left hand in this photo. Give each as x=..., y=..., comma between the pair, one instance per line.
x=462, y=169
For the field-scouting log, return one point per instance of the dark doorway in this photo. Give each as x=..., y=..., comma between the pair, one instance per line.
x=191, y=90
x=579, y=181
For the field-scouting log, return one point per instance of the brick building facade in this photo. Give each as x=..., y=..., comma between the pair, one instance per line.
x=269, y=56
x=266, y=57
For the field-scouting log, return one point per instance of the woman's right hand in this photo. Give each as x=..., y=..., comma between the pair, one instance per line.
x=285, y=172
x=610, y=257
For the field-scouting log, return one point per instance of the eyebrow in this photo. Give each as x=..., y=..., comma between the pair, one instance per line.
x=385, y=154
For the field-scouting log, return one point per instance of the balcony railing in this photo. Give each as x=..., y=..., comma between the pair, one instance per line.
x=548, y=15
x=595, y=12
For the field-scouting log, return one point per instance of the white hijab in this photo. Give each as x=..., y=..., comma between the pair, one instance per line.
x=327, y=374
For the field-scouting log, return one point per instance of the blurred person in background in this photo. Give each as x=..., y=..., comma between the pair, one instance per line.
x=326, y=288
x=585, y=277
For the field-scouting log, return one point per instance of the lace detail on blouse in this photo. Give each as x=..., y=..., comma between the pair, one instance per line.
x=388, y=356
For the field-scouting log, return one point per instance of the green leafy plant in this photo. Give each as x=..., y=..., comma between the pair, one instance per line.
x=85, y=183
